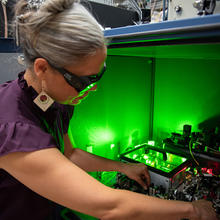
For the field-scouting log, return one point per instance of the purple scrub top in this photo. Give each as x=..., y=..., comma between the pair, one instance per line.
x=24, y=127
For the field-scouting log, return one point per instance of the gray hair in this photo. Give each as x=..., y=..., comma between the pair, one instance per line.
x=61, y=31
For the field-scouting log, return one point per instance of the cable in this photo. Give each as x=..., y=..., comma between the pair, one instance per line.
x=190, y=149
x=136, y=7
x=209, y=10
x=213, y=149
x=153, y=8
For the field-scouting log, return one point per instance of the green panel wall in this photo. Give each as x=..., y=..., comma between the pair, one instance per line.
x=187, y=91
x=116, y=116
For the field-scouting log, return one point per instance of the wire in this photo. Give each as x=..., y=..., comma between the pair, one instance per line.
x=136, y=7
x=190, y=149
x=213, y=149
x=153, y=8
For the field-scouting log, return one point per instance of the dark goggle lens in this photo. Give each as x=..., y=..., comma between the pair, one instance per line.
x=81, y=83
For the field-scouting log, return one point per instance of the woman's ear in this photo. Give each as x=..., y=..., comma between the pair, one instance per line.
x=40, y=67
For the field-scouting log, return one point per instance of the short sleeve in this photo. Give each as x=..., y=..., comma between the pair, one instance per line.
x=67, y=115
x=23, y=137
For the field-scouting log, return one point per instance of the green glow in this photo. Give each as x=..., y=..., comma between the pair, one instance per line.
x=118, y=112
x=137, y=146
x=151, y=143
x=145, y=157
x=181, y=124
x=186, y=91
x=155, y=159
x=134, y=156
x=87, y=88
x=188, y=95
x=101, y=135
x=112, y=146
x=188, y=169
x=89, y=149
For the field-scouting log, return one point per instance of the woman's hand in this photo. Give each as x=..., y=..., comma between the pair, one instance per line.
x=204, y=210
x=137, y=172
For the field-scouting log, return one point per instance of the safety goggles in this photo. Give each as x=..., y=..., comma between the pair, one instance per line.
x=81, y=83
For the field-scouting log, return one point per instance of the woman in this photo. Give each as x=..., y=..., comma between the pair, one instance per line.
x=64, y=53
